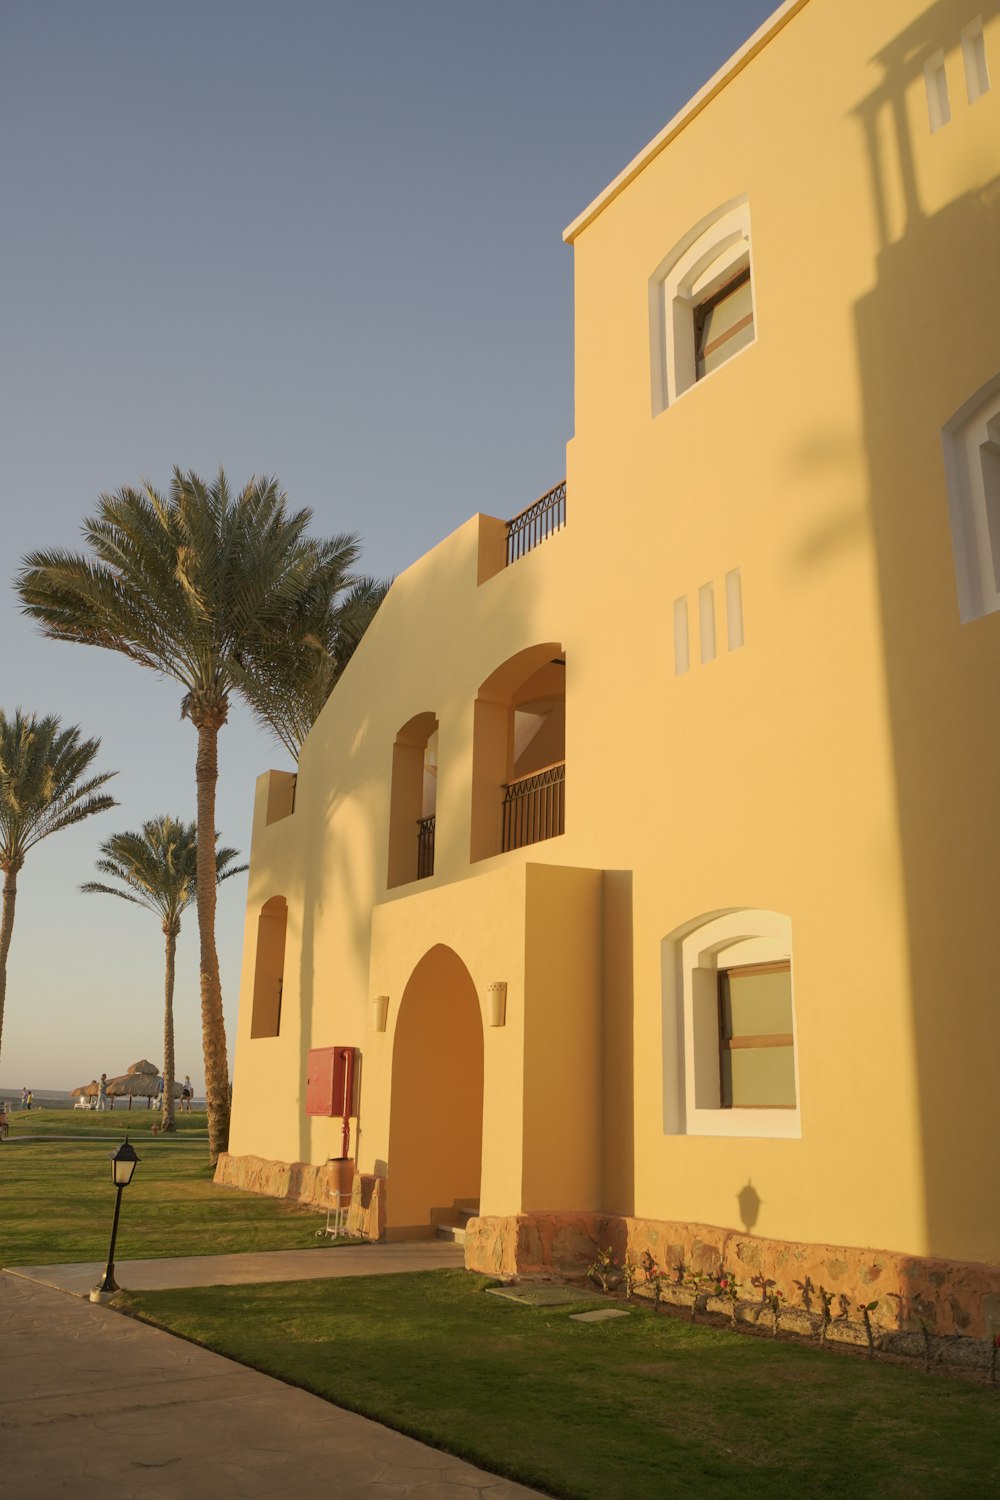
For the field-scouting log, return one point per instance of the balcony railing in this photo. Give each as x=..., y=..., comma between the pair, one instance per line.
x=537, y=523
x=534, y=807
x=425, y=847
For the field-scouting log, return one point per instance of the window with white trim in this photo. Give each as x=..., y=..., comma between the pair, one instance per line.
x=971, y=442
x=730, y=1065
x=701, y=303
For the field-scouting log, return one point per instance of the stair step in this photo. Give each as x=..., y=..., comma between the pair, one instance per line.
x=453, y=1232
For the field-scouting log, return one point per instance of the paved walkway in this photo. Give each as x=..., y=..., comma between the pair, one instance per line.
x=94, y=1402
x=265, y=1265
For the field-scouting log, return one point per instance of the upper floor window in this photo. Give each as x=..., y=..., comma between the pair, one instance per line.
x=519, y=752
x=269, y=968
x=413, y=801
x=701, y=303
x=972, y=464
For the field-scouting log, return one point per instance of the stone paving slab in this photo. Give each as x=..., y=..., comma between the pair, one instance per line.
x=93, y=1402
x=236, y=1270
x=603, y=1316
x=544, y=1296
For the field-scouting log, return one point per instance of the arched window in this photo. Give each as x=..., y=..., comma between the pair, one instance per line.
x=729, y=1060
x=269, y=968
x=413, y=801
x=701, y=303
x=519, y=752
x=971, y=443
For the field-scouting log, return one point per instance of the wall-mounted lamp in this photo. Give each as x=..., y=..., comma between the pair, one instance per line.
x=380, y=1011
x=496, y=1003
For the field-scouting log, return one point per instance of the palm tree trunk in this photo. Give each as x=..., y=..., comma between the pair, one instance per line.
x=167, y=1122
x=6, y=931
x=213, y=1026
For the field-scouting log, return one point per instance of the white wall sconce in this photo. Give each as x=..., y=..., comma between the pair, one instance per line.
x=496, y=1003
x=380, y=1011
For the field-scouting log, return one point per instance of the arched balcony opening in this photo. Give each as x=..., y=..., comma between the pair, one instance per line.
x=519, y=752
x=413, y=801
x=269, y=968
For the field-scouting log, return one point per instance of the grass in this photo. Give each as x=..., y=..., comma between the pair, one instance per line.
x=58, y=1199
x=641, y=1407
x=634, y=1409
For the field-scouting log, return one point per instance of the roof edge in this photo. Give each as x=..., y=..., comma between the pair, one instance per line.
x=694, y=106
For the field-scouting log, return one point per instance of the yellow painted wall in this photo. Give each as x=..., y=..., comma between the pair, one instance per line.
x=839, y=768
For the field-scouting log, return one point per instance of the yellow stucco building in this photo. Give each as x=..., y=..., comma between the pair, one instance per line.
x=643, y=860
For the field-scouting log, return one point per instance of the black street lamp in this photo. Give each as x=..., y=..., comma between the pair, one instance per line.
x=123, y=1163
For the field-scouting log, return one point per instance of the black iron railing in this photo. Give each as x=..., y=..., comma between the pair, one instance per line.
x=534, y=807
x=537, y=523
x=425, y=847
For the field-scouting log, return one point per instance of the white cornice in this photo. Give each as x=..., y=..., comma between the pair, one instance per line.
x=715, y=85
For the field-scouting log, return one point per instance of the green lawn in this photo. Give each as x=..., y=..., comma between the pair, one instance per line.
x=642, y=1408
x=58, y=1199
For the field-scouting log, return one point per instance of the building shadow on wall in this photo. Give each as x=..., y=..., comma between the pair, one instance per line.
x=936, y=298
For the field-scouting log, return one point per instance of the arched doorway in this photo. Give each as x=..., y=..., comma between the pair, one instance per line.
x=436, y=1117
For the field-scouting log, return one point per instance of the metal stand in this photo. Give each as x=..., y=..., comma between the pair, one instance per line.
x=336, y=1217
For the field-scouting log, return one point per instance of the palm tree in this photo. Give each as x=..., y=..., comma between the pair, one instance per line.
x=157, y=869
x=287, y=690
x=44, y=788
x=199, y=585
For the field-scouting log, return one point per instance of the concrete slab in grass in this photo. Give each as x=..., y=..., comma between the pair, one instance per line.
x=542, y=1296
x=600, y=1316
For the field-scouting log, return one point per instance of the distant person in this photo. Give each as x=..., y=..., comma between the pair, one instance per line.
x=102, y=1092
x=24, y=1098
x=4, y=1122
x=31, y=1098
x=187, y=1094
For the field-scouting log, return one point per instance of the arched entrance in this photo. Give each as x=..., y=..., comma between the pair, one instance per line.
x=436, y=1116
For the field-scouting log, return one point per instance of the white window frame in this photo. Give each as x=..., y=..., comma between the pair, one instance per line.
x=698, y=266
x=692, y=958
x=971, y=443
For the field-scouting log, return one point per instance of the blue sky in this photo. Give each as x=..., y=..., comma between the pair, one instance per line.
x=321, y=241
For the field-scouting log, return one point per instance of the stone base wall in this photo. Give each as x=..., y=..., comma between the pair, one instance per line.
x=913, y=1293
x=303, y=1183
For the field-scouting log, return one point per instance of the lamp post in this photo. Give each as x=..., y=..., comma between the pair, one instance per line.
x=123, y=1163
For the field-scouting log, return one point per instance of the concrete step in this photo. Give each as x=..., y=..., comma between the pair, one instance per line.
x=453, y=1232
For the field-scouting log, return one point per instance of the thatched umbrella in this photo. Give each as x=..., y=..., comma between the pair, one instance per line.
x=142, y=1081
x=86, y=1090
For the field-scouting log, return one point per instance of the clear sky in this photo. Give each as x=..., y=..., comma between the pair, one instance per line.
x=316, y=240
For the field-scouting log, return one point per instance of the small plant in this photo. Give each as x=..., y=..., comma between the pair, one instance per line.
x=697, y=1283
x=763, y=1285
x=605, y=1270
x=866, y=1309
x=775, y=1299
x=994, y=1356
x=654, y=1278
x=845, y=1307
x=826, y=1299
x=927, y=1346
x=630, y=1275
x=727, y=1286
x=680, y=1273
